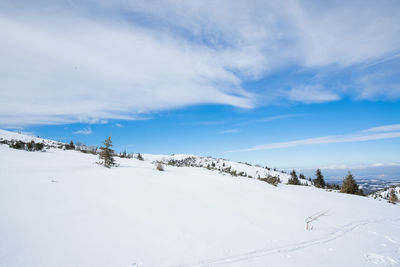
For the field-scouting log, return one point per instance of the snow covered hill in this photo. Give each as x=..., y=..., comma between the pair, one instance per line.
x=60, y=208
x=384, y=194
x=222, y=165
x=14, y=136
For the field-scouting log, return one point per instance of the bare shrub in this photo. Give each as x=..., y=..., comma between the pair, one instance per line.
x=159, y=166
x=313, y=218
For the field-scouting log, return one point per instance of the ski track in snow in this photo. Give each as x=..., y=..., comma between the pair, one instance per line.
x=284, y=249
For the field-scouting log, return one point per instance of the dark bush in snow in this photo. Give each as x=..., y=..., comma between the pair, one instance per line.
x=271, y=180
x=393, y=197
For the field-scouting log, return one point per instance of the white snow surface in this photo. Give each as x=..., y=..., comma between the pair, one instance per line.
x=60, y=208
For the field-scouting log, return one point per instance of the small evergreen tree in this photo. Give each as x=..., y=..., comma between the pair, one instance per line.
x=293, y=178
x=392, y=196
x=319, y=179
x=350, y=186
x=301, y=176
x=71, y=145
x=139, y=157
x=106, y=155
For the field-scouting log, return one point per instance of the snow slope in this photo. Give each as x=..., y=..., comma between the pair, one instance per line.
x=198, y=161
x=60, y=208
x=220, y=164
x=8, y=135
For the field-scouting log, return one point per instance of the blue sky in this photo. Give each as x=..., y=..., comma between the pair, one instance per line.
x=296, y=84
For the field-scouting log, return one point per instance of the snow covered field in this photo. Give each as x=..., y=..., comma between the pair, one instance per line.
x=60, y=208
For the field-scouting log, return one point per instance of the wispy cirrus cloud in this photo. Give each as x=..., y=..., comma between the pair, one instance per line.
x=386, y=128
x=311, y=94
x=348, y=138
x=269, y=119
x=229, y=131
x=88, y=61
x=86, y=131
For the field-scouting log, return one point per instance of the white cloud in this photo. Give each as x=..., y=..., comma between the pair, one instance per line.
x=359, y=166
x=385, y=128
x=382, y=84
x=82, y=61
x=269, y=119
x=86, y=131
x=349, y=138
x=311, y=94
x=85, y=71
x=229, y=131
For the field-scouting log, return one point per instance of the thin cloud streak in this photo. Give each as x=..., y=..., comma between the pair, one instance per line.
x=86, y=131
x=230, y=131
x=269, y=119
x=386, y=128
x=322, y=140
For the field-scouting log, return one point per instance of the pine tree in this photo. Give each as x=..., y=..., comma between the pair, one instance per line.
x=107, y=154
x=392, y=196
x=301, y=176
x=319, y=180
x=293, y=178
x=350, y=186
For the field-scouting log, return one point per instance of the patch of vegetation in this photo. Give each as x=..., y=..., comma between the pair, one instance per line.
x=187, y=162
x=271, y=180
x=29, y=146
